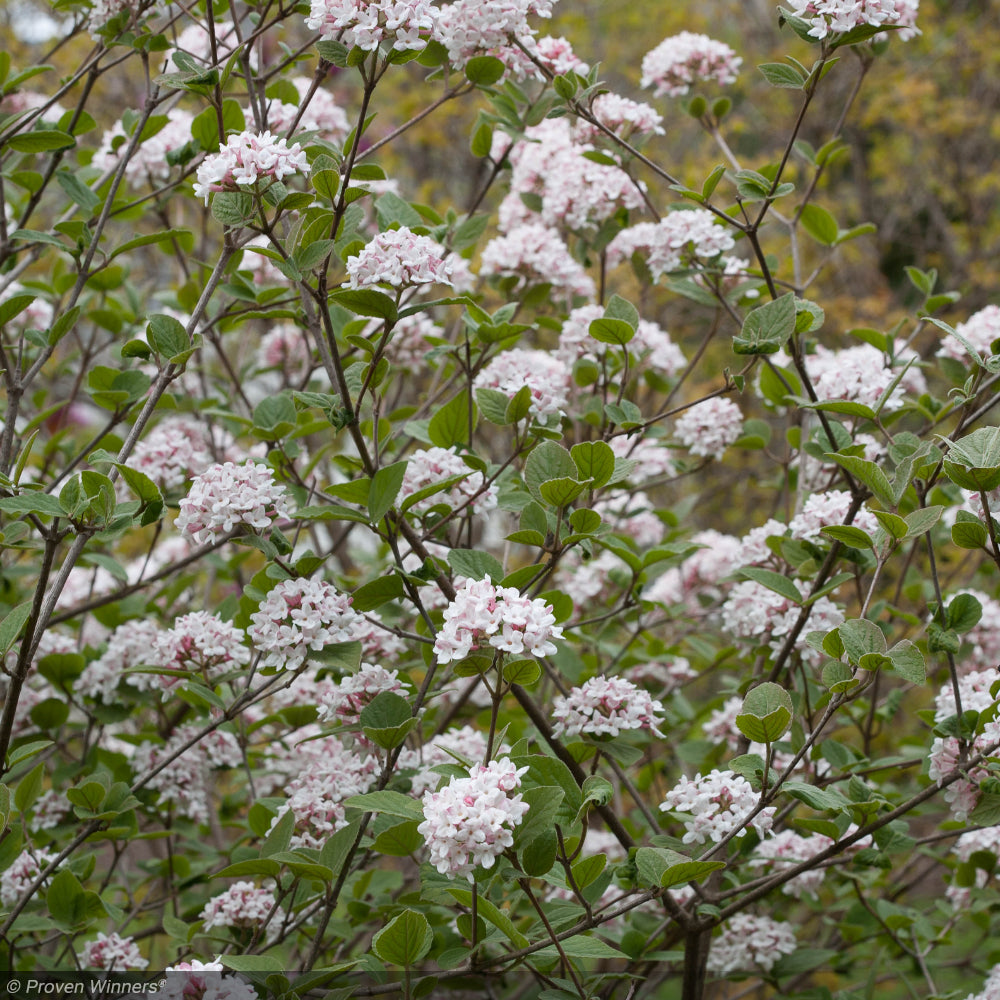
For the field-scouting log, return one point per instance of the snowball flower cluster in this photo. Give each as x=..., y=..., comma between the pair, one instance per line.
x=399, y=257
x=226, y=495
x=466, y=742
x=826, y=508
x=19, y=877
x=246, y=159
x=991, y=988
x=498, y=617
x=859, y=374
x=604, y=706
x=945, y=758
x=297, y=616
x=682, y=60
x=718, y=803
x=749, y=943
x=130, y=645
x=467, y=28
x=243, y=907
x=368, y=23
x=837, y=17
x=710, y=427
x=322, y=114
x=787, y=849
x=547, y=379
x=470, y=822
x=348, y=698
x=536, y=253
x=433, y=465
x=111, y=951
x=200, y=642
x=677, y=240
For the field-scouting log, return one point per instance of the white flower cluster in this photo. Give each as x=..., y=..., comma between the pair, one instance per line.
x=718, y=803
x=330, y=772
x=185, y=782
x=204, y=979
x=547, y=378
x=536, y=253
x=297, y=616
x=176, y=449
x=986, y=839
x=558, y=56
x=470, y=822
x=102, y=11
x=948, y=755
x=148, y=164
x=859, y=374
x=468, y=28
x=749, y=943
x=787, y=849
x=625, y=117
x=226, y=495
x=200, y=642
x=677, y=240
x=991, y=988
x=981, y=329
x=368, y=23
x=130, y=645
x=346, y=700
x=246, y=159
x=605, y=706
x=18, y=878
x=243, y=906
x=576, y=193
x=498, y=617
x=197, y=42
x=709, y=427
x=837, y=17
x=826, y=508
x=400, y=258
x=285, y=347
x=433, y=465
x=112, y=952
x=682, y=60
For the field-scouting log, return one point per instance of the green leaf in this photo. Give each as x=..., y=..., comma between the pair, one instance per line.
x=777, y=582
x=548, y=460
x=561, y=492
x=964, y=613
x=454, y=422
x=475, y=565
x=892, y=524
x=780, y=75
x=384, y=489
x=974, y=460
x=869, y=474
x=839, y=677
x=820, y=799
x=595, y=461
x=484, y=71
x=623, y=310
x=659, y=866
x=405, y=940
x=491, y=914
x=861, y=637
x=399, y=841
x=375, y=593
x=921, y=521
x=767, y=328
x=493, y=405
x=849, y=535
x=167, y=336
x=589, y=947
x=32, y=502
x=78, y=192
x=41, y=141
x=611, y=331
x=967, y=534
x=266, y=867
x=522, y=672
x=253, y=963
x=538, y=856
x=820, y=225
x=29, y=788
x=233, y=208
x=908, y=662
x=366, y=302
x=388, y=802
x=766, y=713
x=10, y=627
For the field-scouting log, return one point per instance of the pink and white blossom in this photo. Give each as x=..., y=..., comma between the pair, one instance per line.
x=717, y=804
x=247, y=161
x=683, y=60
x=148, y=164
x=400, y=258
x=547, y=379
x=831, y=507
x=427, y=466
x=322, y=114
x=482, y=614
x=605, y=706
x=226, y=496
x=708, y=428
x=201, y=643
x=470, y=822
x=837, y=17
x=750, y=943
x=981, y=329
x=346, y=700
x=244, y=907
x=297, y=616
x=19, y=877
x=536, y=253
x=367, y=24
x=111, y=952
x=680, y=239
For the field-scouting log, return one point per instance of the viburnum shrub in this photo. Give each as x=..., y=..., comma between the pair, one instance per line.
x=533, y=592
